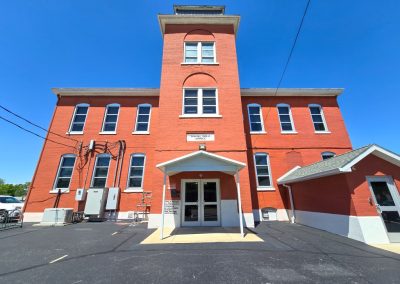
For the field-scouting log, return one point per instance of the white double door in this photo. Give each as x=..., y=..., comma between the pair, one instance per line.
x=387, y=202
x=201, y=202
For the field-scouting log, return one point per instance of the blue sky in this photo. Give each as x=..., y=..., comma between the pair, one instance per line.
x=44, y=44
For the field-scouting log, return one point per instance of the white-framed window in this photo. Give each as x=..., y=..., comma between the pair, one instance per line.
x=285, y=118
x=136, y=171
x=262, y=168
x=327, y=155
x=200, y=102
x=100, y=170
x=78, y=119
x=318, y=118
x=143, y=118
x=255, y=118
x=64, y=173
x=110, y=119
x=199, y=52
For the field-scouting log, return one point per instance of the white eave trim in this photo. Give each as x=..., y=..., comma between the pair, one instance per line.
x=287, y=92
x=238, y=164
x=107, y=92
x=377, y=151
x=163, y=20
x=313, y=176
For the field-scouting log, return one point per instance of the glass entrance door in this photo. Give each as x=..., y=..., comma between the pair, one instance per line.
x=387, y=203
x=201, y=203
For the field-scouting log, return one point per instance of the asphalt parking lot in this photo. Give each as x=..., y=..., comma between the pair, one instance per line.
x=111, y=252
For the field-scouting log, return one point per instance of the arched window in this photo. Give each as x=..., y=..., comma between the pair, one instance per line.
x=64, y=172
x=255, y=118
x=100, y=170
x=263, y=171
x=143, y=118
x=318, y=118
x=136, y=171
x=327, y=155
x=285, y=118
x=110, y=119
x=78, y=119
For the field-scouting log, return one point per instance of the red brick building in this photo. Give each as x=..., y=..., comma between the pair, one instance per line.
x=213, y=148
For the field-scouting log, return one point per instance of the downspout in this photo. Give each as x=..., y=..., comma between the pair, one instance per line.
x=293, y=217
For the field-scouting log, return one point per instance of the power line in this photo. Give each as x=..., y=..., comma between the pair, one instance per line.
x=27, y=130
x=34, y=124
x=290, y=53
x=293, y=46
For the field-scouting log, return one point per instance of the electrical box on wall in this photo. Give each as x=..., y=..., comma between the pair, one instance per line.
x=96, y=200
x=80, y=194
x=112, y=198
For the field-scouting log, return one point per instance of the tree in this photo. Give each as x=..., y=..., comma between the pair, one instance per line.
x=13, y=189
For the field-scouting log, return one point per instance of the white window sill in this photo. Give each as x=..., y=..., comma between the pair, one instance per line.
x=257, y=132
x=289, y=132
x=200, y=116
x=108, y=132
x=265, y=188
x=74, y=133
x=141, y=132
x=199, y=63
x=322, y=132
x=132, y=189
x=63, y=190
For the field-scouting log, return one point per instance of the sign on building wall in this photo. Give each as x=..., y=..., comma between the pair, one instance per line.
x=196, y=137
x=171, y=207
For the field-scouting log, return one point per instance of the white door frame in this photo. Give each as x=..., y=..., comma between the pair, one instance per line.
x=201, y=203
x=396, y=198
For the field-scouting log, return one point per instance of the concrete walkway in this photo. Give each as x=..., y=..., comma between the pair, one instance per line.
x=201, y=235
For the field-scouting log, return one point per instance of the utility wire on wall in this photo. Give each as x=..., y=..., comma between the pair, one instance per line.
x=34, y=124
x=33, y=133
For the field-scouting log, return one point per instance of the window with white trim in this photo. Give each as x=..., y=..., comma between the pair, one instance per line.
x=79, y=118
x=285, y=118
x=100, y=171
x=111, y=118
x=199, y=52
x=64, y=172
x=318, y=118
x=255, y=118
x=200, y=102
x=136, y=171
x=327, y=155
x=262, y=167
x=143, y=118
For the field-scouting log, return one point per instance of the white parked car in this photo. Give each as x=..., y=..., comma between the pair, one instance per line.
x=10, y=208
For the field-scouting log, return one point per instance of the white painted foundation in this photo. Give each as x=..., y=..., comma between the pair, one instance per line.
x=367, y=229
x=229, y=217
x=281, y=215
x=33, y=217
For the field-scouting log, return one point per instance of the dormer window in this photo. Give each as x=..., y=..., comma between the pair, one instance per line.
x=199, y=52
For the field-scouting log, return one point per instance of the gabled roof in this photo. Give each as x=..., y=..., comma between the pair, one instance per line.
x=338, y=164
x=201, y=161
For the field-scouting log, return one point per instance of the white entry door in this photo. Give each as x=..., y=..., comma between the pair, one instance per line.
x=387, y=202
x=201, y=202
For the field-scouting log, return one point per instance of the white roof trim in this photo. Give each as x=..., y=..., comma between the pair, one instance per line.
x=288, y=173
x=285, y=92
x=163, y=20
x=377, y=151
x=175, y=162
x=374, y=150
x=109, y=92
x=313, y=176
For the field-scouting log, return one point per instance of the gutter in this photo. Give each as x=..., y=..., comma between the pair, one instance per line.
x=292, y=209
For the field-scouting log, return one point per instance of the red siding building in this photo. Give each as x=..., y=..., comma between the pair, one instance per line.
x=212, y=150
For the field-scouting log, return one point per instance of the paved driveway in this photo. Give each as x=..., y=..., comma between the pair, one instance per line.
x=112, y=253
